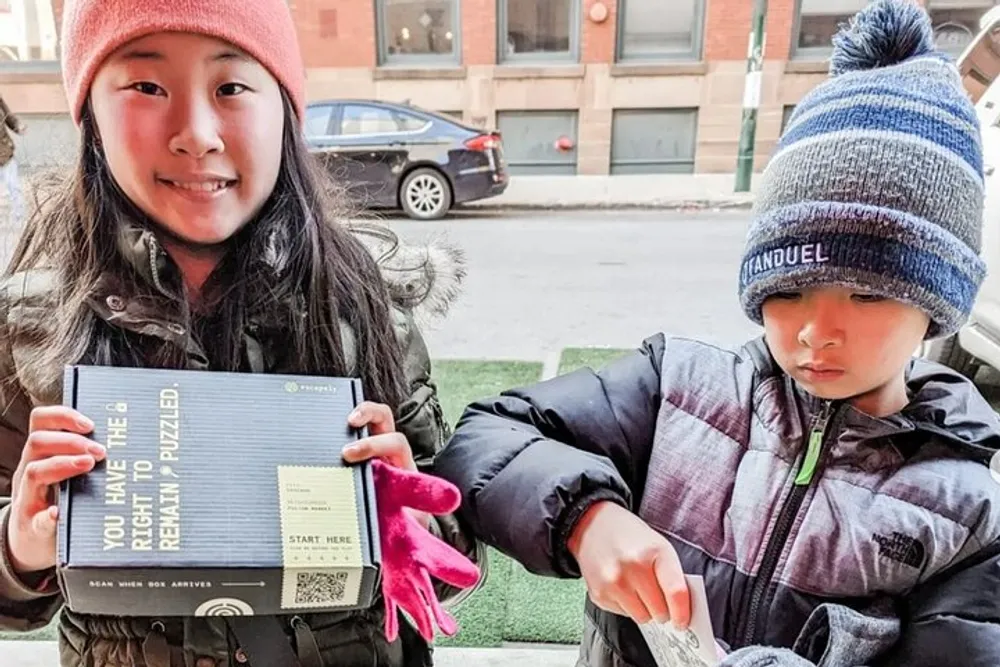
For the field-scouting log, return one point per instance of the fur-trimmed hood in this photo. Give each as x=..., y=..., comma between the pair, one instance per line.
x=424, y=278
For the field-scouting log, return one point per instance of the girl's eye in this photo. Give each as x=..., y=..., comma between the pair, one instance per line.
x=230, y=89
x=147, y=88
x=868, y=298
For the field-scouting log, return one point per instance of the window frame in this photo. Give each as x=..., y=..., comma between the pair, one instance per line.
x=614, y=165
x=422, y=60
x=695, y=54
x=809, y=53
x=540, y=57
x=817, y=53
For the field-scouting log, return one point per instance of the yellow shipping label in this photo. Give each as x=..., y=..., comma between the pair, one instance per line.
x=320, y=537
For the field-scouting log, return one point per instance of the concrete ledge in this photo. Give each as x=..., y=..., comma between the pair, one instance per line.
x=44, y=654
x=390, y=73
x=699, y=68
x=554, y=71
x=807, y=67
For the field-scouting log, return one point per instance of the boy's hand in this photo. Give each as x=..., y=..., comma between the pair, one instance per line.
x=630, y=569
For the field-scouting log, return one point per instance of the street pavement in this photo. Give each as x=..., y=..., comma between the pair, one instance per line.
x=540, y=282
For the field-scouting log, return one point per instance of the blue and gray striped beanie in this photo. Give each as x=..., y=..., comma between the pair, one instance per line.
x=877, y=182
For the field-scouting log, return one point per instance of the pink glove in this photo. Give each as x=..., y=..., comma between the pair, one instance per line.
x=411, y=554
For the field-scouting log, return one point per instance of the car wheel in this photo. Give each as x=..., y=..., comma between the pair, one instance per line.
x=948, y=352
x=425, y=195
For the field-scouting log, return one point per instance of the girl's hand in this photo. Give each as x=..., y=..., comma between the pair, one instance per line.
x=383, y=442
x=55, y=450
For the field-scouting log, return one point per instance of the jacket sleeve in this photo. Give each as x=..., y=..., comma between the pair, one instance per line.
x=531, y=461
x=421, y=419
x=953, y=619
x=24, y=605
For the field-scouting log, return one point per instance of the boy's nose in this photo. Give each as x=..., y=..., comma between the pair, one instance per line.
x=822, y=330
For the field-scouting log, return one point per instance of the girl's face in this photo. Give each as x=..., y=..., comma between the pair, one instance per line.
x=191, y=128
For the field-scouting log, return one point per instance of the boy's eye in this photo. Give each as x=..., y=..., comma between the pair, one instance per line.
x=868, y=298
x=148, y=88
x=787, y=296
x=230, y=89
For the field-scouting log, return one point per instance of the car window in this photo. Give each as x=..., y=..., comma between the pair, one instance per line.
x=318, y=120
x=359, y=119
x=410, y=123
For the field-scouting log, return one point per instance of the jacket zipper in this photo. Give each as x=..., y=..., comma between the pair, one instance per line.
x=803, y=480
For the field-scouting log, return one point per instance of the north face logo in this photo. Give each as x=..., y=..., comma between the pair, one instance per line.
x=901, y=548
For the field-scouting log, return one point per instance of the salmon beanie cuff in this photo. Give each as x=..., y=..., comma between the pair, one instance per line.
x=93, y=29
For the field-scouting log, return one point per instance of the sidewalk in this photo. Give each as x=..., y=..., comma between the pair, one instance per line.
x=671, y=191
x=44, y=654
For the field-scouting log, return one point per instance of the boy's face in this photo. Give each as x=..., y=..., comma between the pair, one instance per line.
x=839, y=343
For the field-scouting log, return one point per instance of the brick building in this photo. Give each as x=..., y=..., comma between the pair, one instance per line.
x=636, y=85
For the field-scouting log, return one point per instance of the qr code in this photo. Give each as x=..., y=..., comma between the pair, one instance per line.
x=320, y=588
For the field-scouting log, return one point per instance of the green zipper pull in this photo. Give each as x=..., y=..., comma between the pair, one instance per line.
x=808, y=468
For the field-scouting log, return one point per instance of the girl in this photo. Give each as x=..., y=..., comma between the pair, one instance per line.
x=194, y=233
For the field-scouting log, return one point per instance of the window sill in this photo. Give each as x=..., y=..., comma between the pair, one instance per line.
x=569, y=71
x=807, y=66
x=397, y=72
x=36, y=72
x=696, y=68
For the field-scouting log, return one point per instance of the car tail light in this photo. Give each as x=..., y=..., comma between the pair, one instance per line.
x=483, y=142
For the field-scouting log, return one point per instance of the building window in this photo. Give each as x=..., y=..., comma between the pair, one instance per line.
x=818, y=21
x=653, y=141
x=786, y=116
x=956, y=22
x=539, y=30
x=656, y=30
x=534, y=142
x=418, y=32
x=28, y=34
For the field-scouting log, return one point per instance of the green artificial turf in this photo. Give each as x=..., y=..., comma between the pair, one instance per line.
x=573, y=358
x=482, y=616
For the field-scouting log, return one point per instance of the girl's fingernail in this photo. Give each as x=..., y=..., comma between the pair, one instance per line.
x=96, y=449
x=354, y=415
x=83, y=422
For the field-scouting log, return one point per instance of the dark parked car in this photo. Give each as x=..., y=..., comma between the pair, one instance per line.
x=399, y=156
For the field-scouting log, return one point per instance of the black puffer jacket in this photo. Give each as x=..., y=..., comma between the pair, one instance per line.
x=899, y=519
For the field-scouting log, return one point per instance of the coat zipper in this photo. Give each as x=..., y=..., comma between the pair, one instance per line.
x=803, y=480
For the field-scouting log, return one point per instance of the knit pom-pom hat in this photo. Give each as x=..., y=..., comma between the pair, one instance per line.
x=877, y=183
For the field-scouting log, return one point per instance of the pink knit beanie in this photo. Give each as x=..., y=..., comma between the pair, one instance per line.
x=93, y=29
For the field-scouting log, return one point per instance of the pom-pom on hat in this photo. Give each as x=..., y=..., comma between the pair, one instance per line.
x=877, y=182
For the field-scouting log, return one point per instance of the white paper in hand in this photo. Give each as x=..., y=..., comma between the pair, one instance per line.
x=694, y=647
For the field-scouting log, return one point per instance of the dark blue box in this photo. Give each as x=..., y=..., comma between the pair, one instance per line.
x=222, y=494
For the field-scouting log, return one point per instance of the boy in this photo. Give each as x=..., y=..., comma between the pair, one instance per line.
x=834, y=493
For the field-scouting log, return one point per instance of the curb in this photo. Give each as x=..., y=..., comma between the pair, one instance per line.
x=698, y=205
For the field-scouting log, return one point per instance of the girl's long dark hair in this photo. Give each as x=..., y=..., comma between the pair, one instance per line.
x=294, y=267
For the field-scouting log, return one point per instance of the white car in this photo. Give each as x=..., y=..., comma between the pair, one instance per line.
x=978, y=343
